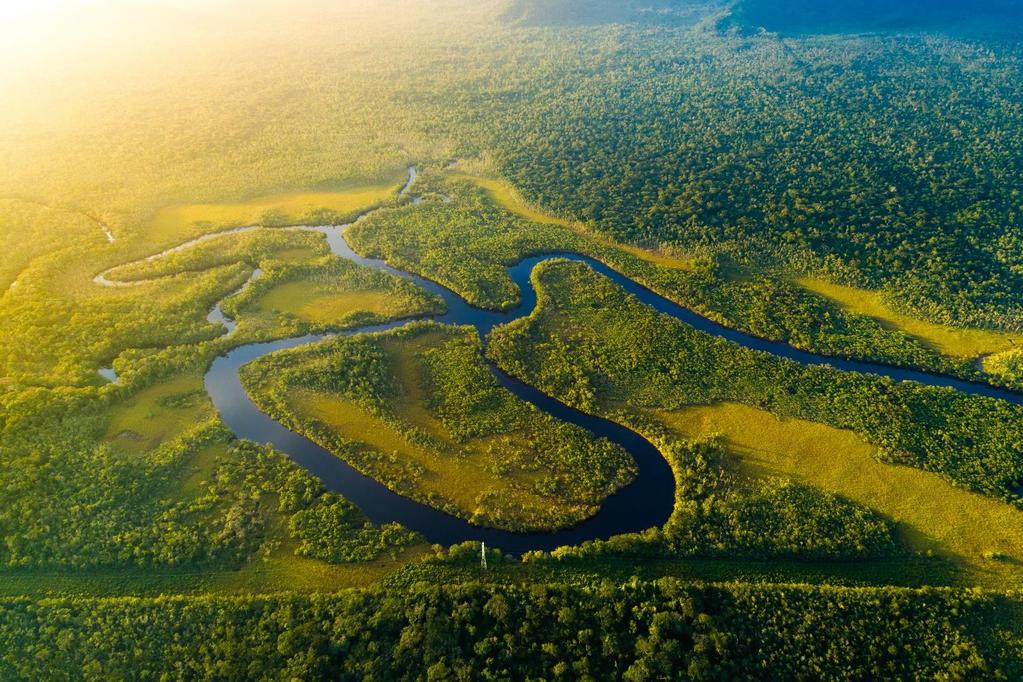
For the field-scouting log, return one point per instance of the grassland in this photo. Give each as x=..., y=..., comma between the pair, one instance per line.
x=463, y=480
x=177, y=223
x=323, y=294
x=978, y=534
x=280, y=571
x=417, y=409
x=316, y=303
x=958, y=342
x=157, y=414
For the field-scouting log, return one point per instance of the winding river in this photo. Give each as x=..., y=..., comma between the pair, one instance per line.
x=645, y=503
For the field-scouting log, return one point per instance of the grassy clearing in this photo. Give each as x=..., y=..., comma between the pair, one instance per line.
x=965, y=343
x=457, y=480
x=504, y=194
x=932, y=515
x=176, y=222
x=200, y=469
x=279, y=572
x=158, y=414
x=323, y=294
x=320, y=302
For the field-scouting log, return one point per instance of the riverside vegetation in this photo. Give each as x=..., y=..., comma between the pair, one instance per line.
x=417, y=409
x=628, y=362
x=851, y=194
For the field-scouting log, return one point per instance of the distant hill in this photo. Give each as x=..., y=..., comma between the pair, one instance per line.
x=583, y=12
x=833, y=16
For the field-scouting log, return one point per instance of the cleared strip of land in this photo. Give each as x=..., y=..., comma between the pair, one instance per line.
x=967, y=343
x=932, y=514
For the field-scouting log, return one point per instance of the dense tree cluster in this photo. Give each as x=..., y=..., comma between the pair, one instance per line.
x=884, y=162
x=590, y=12
x=334, y=530
x=806, y=16
x=72, y=503
x=466, y=241
x=634, y=631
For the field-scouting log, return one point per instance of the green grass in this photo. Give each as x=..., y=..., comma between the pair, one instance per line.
x=321, y=303
x=323, y=294
x=1007, y=366
x=460, y=473
x=966, y=343
x=157, y=414
x=279, y=572
x=931, y=514
x=176, y=223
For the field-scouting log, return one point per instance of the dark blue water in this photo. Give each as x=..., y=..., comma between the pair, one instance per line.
x=647, y=502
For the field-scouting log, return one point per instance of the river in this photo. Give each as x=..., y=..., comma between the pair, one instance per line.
x=646, y=502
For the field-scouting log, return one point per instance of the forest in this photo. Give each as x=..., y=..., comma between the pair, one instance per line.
x=636, y=631
x=314, y=193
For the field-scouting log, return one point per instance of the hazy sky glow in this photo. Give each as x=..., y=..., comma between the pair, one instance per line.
x=16, y=10
x=21, y=10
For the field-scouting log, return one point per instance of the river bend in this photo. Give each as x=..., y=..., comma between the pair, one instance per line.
x=645, y=503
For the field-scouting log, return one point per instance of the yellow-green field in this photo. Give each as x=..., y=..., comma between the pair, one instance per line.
x=279, y=572
x=456, y=479
x=177, y=222
x=281, y=569
x=321, y=303
x=932, y=515
x=504, y=194
x=966, y=343
x=142, y=423
x=1005, y=365
x=460, y=473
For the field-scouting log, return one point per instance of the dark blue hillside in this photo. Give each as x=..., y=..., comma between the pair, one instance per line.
x=838, y=16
